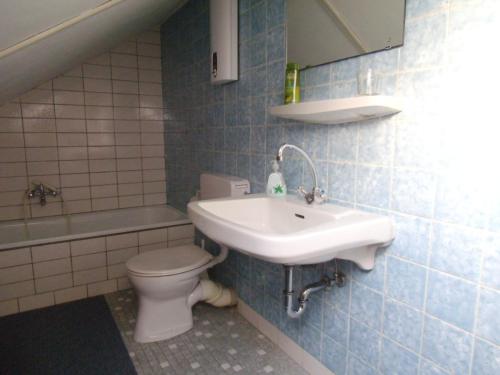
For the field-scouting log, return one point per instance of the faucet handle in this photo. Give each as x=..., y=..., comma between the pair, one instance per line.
x=309, y=197
x=301, y=191
x=320, y=196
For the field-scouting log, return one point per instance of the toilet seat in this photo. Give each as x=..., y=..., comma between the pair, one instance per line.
x=168, y=261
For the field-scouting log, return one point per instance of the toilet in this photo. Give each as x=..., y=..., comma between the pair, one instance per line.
x=168, y=281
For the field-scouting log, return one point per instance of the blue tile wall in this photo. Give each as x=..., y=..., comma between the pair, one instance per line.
x=488, y=319
x=447, y=346
x=429, y=368
x=397, y=360
x=430, y=306
x=486, y=359
x=403, y=324
x=451, y=299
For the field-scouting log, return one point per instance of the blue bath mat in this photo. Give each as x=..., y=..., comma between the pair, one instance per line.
x=73, y=338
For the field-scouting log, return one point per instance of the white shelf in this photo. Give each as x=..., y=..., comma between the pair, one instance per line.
x=340, y=111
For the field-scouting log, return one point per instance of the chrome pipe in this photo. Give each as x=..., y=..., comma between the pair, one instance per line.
x=289, y=295
x=338, y=280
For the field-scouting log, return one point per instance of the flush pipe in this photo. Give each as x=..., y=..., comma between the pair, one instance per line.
x=211, y=292
x=325, y=282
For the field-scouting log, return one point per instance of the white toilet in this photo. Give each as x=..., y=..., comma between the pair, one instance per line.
x=167, y=281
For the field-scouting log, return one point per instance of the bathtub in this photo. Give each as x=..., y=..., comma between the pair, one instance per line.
x=59, y=259
x=78, y=226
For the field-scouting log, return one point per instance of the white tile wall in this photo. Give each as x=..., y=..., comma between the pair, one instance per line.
x=41, y=276
x=70, y=294
x=52, y=267
x=90, y=261
x=96, y=132
x=15, y=257
x=36, y=302
x=51, y=251
x=102, y=287
x=89, y=276
x=15, y=274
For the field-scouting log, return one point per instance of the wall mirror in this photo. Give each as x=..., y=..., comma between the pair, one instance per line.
x=323, y=31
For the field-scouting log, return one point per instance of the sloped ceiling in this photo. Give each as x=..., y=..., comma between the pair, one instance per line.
x=41, y=39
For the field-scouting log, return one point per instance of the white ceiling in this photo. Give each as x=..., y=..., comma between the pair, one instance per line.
x=21, y=19
x=42, y=39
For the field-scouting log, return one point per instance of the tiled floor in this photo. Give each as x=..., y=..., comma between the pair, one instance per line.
x=221, y=342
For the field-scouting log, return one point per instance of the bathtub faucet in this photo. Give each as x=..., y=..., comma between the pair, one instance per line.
x=41, y=190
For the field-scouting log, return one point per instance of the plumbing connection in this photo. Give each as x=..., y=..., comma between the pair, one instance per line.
x=338, y=280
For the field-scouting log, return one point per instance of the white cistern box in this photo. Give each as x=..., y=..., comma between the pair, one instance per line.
x=218, y=186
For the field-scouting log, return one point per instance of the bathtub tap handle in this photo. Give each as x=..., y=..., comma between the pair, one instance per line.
x=41, y=190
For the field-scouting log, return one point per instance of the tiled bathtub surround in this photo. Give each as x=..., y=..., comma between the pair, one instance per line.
x=430, y=305
x=96, y=133
x=44, y=275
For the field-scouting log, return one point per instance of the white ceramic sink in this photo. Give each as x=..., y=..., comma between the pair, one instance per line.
x=288, y=231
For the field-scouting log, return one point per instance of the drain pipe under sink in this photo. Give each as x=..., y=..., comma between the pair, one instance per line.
x=338, y=280
x=211, y=292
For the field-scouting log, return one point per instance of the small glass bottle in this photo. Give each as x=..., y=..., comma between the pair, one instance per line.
x=292, y=83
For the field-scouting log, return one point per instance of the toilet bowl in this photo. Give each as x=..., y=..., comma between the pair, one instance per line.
x=167, y=282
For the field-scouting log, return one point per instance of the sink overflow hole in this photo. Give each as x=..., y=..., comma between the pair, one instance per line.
x=300, y=216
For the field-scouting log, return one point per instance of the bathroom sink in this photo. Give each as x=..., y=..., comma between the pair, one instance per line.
x=289, y=231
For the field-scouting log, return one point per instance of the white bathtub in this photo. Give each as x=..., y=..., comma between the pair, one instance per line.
x=14, y=234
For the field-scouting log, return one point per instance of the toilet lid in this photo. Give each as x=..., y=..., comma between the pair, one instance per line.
x=169, y=261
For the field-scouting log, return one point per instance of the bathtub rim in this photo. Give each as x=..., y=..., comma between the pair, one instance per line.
x=101, y=233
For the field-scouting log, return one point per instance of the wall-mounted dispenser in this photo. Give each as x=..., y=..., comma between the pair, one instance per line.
x=223, y=41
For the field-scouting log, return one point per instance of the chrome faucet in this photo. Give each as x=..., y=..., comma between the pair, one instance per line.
x=42, y=191
x=316, y=195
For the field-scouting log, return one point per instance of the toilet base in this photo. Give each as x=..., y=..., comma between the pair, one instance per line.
x=165, y=301
x=161, y=320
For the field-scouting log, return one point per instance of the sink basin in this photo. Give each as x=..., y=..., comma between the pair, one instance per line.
x=288, y=231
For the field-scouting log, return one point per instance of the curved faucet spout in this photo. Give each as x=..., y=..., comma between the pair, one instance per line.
x=316, y=195
x=284, y=146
